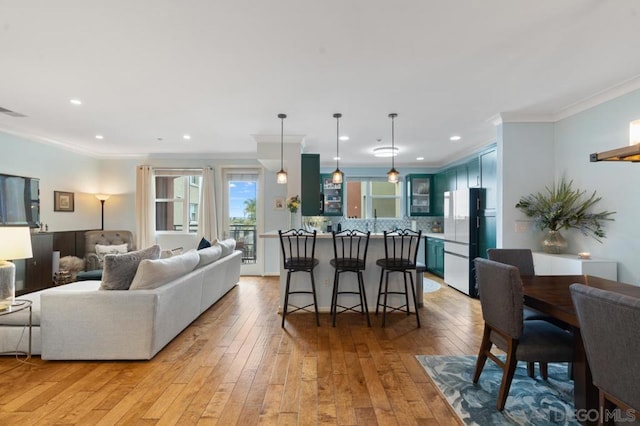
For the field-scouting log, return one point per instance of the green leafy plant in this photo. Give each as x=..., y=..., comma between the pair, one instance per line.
x=562, y=207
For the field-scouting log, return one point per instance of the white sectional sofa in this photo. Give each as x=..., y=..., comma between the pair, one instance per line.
x=80, y=321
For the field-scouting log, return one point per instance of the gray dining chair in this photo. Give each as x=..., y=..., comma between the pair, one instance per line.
x=501, y=300
x=523, y=260
x=609, y=324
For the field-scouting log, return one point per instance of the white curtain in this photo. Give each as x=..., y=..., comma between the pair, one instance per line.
x=145, y=207
x=207, y=225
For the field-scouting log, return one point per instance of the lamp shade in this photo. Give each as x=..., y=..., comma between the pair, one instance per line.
x=15, y=243
x=103, y=197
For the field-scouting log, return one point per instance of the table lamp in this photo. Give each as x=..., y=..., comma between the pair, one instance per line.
x=15, y=243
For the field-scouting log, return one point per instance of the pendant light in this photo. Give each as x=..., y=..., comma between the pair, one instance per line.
x=392, y=175
x=281, y=176
x=337, y=175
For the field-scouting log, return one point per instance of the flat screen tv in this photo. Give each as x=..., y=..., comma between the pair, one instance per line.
x=19, y=201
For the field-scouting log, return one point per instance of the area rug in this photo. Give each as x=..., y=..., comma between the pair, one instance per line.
x=531, y=401
x=429, y=286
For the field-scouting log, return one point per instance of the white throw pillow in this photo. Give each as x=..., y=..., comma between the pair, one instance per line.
x=209, y=254
x=228, y=246
x=155, y=273
x=102, y=250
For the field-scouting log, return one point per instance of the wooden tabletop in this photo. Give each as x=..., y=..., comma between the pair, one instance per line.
x=550, y=293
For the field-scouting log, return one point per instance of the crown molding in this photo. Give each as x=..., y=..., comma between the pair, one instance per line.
x=601, y=97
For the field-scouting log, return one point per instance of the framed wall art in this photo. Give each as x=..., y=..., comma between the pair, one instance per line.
x=278, y=204
x=63, y=201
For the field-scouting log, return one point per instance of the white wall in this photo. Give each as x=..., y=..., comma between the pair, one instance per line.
x=531, y=155
x=58, y=170
x=601, y=128
x=525, y=165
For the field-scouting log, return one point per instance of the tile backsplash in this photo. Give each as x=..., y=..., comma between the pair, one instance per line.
x=426, y=224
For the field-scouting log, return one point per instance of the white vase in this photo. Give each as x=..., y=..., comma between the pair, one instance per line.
x=294, y=223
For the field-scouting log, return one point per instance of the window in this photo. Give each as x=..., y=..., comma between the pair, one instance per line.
x=177, y=200
x=369, y=197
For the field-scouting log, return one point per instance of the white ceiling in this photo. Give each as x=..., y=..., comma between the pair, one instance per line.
x=221, y=71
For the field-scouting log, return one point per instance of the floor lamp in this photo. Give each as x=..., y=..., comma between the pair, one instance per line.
x=102, y=198
x=15, y=243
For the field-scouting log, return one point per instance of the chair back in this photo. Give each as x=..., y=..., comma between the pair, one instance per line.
x=401, y=248
x=520, y=258
x=609, y=324
x=298, y=248
x=501, y=296
x=350, y=249
x=105, y=238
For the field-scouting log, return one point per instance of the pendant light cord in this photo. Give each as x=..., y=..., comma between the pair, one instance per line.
x=281, y=142
x=337, y=141
x=393, y=146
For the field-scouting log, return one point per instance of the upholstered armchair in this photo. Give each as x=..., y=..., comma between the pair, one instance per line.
x=104, y=238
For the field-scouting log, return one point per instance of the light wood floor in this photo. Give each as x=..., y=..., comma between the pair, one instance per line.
x=235, y=365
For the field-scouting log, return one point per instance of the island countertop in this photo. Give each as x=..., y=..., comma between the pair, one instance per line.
x=324, y=272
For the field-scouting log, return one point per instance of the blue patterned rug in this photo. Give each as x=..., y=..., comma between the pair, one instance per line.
x=429, y=286
x=531, y=401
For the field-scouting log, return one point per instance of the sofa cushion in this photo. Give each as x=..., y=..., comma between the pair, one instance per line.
x=204, y=243
x=155, y=273
x=120, y=269
x=228, y=246
x=209, y=255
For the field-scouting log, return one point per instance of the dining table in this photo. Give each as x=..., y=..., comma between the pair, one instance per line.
x=550, y=294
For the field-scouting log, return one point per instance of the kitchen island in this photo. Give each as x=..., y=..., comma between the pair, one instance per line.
x=324, y=273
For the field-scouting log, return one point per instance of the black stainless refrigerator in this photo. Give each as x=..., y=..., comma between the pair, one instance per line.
x=461, y=238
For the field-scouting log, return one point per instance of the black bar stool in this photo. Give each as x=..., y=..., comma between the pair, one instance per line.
x=350, y=255
x=298, y=253
x=400, y=251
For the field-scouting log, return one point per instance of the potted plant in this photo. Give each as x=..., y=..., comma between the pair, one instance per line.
x=562, y=207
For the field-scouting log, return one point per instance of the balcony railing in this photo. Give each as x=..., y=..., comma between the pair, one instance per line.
x=245, y=236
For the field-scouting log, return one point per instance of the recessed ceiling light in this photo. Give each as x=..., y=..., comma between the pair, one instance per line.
x=75, y=101
x=186, y=137
x=455, y=138
x=344, y=138
x=419, y=158
x=385, y=151
x=99, y=137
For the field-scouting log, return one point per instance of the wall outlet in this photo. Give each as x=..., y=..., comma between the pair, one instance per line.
x=523, y=226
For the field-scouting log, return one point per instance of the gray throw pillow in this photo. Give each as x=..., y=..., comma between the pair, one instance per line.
x=119, y=269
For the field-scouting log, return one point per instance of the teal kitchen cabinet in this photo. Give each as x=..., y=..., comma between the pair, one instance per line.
x=435, y=256
x=462, y=180
x=419, y=194
x=489, y=203
x=439, y=188
x=332, y=194
x=310, y=198
x=473, y=173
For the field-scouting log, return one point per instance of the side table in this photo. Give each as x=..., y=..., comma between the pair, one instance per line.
x=17, y=306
